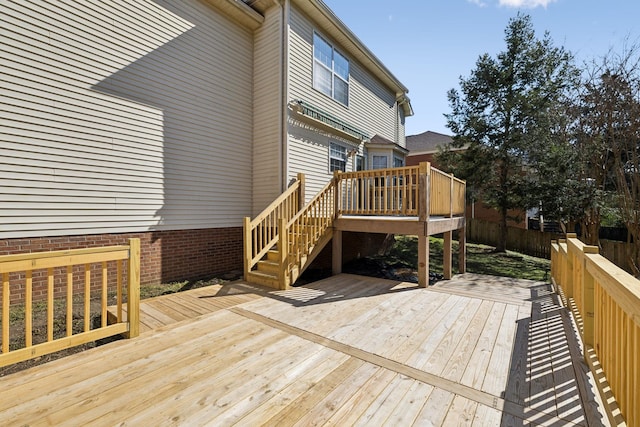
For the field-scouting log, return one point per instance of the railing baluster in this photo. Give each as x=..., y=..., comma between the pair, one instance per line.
x=5, y=312
x=28, y=309
x=103, y=313
x=119, y=290
x=50, y=278
x=87, y=297
x=69, y=300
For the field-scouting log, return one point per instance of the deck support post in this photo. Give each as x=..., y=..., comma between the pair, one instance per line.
x=462, y=249
x=423, y=261
x=447, y=258
x=336, y=252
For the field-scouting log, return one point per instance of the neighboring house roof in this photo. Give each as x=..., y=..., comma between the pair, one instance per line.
x=382, y=142
x=427, y=142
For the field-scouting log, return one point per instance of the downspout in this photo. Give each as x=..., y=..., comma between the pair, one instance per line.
x=284, y=90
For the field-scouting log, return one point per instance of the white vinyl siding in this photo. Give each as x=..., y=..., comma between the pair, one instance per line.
x=123, y=117
x=267, y=121
x=311, y=158
x=371, y=104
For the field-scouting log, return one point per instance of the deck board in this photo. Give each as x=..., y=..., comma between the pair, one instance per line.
x=347, y=350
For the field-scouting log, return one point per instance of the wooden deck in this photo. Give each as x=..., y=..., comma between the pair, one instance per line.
x=348, y=350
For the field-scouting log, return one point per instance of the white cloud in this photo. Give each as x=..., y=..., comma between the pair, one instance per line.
x=478, y=2
x=525, y=4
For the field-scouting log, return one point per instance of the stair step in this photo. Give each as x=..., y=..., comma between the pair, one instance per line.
x=273, y=255
x=268, y=266
x=263, y=278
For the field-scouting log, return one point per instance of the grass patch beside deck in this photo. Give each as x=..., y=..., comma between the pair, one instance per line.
x=481, y=259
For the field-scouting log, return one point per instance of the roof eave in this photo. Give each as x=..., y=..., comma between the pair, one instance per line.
x=240, y=11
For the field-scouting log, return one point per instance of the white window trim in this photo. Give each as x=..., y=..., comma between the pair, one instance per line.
x=331, y=70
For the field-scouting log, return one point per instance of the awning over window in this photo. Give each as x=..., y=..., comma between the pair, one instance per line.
x=326, y=121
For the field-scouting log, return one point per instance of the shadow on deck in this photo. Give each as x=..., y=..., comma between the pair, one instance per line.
x=474, y=350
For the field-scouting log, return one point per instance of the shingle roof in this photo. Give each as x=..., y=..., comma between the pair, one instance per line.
x=380, y=140
x=427, y=142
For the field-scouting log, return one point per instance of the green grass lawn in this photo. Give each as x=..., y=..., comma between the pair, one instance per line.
x=481, y=259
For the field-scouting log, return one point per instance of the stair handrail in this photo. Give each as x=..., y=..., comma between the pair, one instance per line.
x=261, y=233
x=302, y=236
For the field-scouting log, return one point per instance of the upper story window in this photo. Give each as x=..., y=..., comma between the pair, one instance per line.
x=330, y=71
x=337, y=157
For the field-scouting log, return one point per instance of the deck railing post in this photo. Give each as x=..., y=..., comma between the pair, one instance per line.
x=246, y=238
x=133, y=289
x=451, y=196
x=337, y=194
x=283, y=251
x=588, y=295
x=424, y=181
x=301, y=191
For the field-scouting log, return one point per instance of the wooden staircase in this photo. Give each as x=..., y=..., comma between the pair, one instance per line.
x=281, y=242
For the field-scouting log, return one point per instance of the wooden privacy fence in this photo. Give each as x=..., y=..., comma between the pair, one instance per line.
x=71, y=270
x=606, y=303
x=530, y=242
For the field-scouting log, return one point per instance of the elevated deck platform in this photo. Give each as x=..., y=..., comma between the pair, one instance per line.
x=475, y=350
x=410, y=225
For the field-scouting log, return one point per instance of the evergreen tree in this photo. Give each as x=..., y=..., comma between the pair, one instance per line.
x=507, y=115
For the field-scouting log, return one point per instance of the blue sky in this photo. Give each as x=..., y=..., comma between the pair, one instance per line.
x=429, y=44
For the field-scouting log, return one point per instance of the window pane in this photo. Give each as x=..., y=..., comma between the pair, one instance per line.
x=341, y=90
x=322, y=50
x=340, y=66
x=337, y=157
x=379, y=162
x=337, y=165
x=398, y=162
x=321, y=78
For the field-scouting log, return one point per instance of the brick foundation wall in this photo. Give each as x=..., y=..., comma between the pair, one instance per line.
x=166, y=256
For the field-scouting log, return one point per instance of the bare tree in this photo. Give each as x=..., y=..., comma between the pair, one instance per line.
x=611, y=120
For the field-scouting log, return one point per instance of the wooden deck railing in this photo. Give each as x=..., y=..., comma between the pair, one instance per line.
x=606, y=302
x=305, y=230
x=261, y=233
x=379, y=192
x=447, y=196
x=19, y=271
x=396, y=191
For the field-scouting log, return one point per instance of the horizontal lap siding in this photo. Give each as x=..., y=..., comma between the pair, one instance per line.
x=371, y=105
x=122, y=117
x=267, y=111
